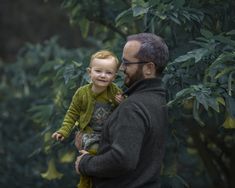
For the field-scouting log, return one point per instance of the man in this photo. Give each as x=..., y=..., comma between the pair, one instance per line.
x=132, y=145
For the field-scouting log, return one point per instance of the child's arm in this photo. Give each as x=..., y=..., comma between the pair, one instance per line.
x=70, y=118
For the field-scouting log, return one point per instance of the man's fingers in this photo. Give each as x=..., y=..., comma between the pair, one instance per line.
x=76, y=167
x=82, y=152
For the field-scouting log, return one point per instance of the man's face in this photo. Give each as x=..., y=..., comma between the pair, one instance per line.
x=132, y=71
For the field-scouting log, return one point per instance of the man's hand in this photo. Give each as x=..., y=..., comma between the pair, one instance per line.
x=83, y=152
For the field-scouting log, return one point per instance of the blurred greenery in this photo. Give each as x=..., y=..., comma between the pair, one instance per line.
x=36, y=90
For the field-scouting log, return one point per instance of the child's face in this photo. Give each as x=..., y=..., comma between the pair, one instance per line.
x=102, y=72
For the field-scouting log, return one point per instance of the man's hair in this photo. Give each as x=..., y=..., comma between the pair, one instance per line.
x=104, y=54
x=153, y=49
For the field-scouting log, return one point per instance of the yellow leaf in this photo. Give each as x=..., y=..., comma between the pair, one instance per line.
x=220, y=100
x=51, y=172
x=229, y=122
x=67, y=157
x=47, y=139
x=192, y=151
x=47, y=149
x=190, y=140
x=47, y=136
x=188, y=104
x=58, y=99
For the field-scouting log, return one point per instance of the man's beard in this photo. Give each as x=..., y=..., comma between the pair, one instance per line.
x=129, y=81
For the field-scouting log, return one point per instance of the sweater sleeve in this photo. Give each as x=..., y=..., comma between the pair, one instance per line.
x=71, y=116
x=126, y=138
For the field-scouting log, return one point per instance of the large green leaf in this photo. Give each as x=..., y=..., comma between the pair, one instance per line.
x=139, y=7
x=206, y=33
x=124, y=17
x=196, y=54
x=84, y=26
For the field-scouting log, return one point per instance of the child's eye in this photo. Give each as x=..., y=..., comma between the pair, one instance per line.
x=99, y=71
x=109, y=73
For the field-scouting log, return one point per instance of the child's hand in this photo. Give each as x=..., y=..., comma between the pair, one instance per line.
x=57, y=136
x=119, y=98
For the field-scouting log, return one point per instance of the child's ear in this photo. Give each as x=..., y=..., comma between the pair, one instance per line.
x=88, y=70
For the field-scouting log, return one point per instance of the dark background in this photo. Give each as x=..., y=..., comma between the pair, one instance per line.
x=34, y=21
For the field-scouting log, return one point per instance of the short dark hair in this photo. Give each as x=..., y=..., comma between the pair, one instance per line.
x=153, y=49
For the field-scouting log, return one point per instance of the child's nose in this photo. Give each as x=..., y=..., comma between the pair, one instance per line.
x=103, y=74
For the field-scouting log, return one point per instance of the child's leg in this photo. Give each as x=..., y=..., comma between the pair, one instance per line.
x=85, y=182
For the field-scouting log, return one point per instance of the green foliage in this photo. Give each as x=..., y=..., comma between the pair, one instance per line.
x=95, y=17
x=215, y=81
x=35, y=93
x=36, y=90
x=201, y=87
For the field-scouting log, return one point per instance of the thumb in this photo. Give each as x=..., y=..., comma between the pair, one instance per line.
x=83, y=152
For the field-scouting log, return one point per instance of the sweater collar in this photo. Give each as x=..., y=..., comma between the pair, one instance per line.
x=150, y=84
x=105, y=92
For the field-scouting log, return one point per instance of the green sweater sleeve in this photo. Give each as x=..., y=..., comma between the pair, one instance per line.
x=72, y=115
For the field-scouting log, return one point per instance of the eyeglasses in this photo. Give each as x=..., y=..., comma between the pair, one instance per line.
x=125, y=63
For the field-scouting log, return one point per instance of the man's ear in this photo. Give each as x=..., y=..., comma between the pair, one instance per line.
x=149, y=70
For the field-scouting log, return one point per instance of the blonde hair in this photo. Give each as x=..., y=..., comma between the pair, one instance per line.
x=104, y=54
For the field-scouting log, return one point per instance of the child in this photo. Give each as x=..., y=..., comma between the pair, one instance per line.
x=92, y=104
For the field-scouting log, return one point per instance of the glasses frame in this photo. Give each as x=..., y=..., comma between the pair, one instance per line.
x=125, y=62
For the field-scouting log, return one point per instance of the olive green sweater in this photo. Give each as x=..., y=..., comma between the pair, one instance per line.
x=82, y=106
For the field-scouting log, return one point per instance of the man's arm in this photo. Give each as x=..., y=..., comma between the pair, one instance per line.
x=126, y=137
